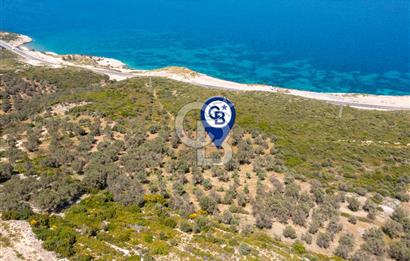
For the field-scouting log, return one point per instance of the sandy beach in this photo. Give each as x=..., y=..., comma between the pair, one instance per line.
x=117, y=70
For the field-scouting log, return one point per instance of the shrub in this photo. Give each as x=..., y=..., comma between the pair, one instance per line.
x=247, y=230
x=197, y=177
x=314, y=227
x=228, y=197
x=353, y=204
x=182, y=205
x=244, y=249
x=62, y=241
x=307, y=238
x=292, y=190
x=361, y=191
x=226, y=217
x=207, y=184
x=178, y=187
x=202, y=224
x=148, y=238
x=369, y=205
x=125, y=190
x=372, y=214
x=208, y=204
x=299, y=216
x=316, y=190
x=361, y=255
x=246, y=189
x=95, y=179
x=299, y=248
x=289, y=232
x=378, y=198
x=242, y=200
x=402, y=196
x=169, y=222
x=6, y=171
x=352, y=220
x=374, y=241
x=345, y=247
x=334, y=227
x=392, y=228
x=399, y=251
x=263, y=220
x=403, y=217
x=159, y=248
x=12, y=209
x=323, y=240
x=185, y=226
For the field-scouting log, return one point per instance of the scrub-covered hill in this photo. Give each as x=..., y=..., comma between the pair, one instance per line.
x=97, y=170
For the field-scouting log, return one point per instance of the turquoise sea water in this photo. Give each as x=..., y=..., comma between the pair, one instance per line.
x=320, y=45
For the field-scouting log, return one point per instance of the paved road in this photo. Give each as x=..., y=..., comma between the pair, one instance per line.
x=124, y=75
x=22, y=54
x=28, y=56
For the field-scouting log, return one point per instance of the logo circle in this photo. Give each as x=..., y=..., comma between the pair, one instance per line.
x=218, y=114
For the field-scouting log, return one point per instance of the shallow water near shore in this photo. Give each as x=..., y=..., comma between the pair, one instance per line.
x=358, y=46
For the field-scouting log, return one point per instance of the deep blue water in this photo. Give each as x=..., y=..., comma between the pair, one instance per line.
x=320, y=45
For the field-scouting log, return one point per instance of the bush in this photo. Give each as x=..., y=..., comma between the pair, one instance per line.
x=263, y=220
x=299, y=248
x=62, y=241
x=14, y=210
x=226, y=217
x=185, y=227
x=202, y=224
x=334, y=227
x=299, y=216
x=374, y=241
x=323, y=240
x=289, y=232
x=352, y=220
x=402, y=196
x=208, y=204
x=392, y=228
x=169, y=222
x=207, y=184
x=292, y=190
x=125, y=190
x=6, y=170
x=197, y=177
x=307, y=238
x=178, y=187
x=64, y=192
x=403, y=217
x=399, y=251
x=159, y=248
x=354, y=204
x=314, y=227
x=369, y=205
x=345, y=247
x=182, y=205
x=361, y=255
x=244, y=249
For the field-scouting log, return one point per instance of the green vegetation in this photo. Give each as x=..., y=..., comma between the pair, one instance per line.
x=8, y=36
x=313, y=141
x=105, y=155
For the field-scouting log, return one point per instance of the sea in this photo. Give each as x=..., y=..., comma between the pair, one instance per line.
x=354, y=46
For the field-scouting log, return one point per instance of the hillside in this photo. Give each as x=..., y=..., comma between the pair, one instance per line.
x=97, y=170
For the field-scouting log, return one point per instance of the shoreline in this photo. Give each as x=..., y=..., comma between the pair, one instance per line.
x=117, y=70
